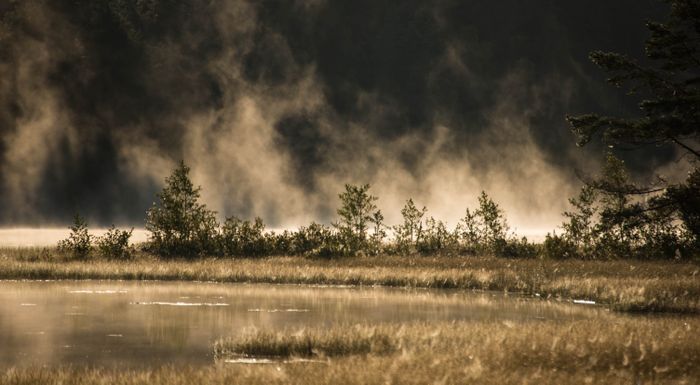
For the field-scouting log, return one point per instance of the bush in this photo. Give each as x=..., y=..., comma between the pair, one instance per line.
x=178, y=223
x=436, y=239
x=245, y=238
x=306, y=239
x=115, y=244
x=79, y=242
x=558, y=247
x=515, y=248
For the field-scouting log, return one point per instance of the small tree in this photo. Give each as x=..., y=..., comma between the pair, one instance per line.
x=580, y=228
x=79, y=242
x=357, y=212
x=178, y=223
x=619, y=222
x=115, y=243
x=408, y=233
x=494, y=225
x=378, y=233
x=470, y=231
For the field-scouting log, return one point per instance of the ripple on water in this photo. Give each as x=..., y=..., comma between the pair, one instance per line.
x=179, y=303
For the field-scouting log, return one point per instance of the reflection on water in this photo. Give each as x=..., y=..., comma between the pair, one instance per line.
x=152, y=323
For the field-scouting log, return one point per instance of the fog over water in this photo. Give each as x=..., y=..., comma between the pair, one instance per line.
x=276, y=105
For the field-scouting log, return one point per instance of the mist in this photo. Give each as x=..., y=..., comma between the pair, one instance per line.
x=276, y=105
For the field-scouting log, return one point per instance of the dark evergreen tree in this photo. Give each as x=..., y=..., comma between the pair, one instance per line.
x=668, y=92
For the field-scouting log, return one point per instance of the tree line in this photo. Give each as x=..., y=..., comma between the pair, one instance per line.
x=612, y=217
x=180, y=226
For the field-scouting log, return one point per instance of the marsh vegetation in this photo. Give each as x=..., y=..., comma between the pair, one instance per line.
x=630, y=285
x=636, y=350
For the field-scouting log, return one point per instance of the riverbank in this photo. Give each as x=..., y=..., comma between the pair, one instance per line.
x=622, y=285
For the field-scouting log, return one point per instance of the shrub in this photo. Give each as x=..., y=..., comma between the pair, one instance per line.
x=115, y=244
x=558, y=247
x=515, y=248
x=245, y=238
x=178, y=223
x=79, y=242
x=436, y=239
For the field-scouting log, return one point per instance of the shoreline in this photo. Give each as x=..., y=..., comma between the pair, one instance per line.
x=622, y=285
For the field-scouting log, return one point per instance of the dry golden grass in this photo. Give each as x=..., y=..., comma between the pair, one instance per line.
x=628, y=350
x=625, y=285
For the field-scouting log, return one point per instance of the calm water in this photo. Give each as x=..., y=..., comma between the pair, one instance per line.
x=130, y=324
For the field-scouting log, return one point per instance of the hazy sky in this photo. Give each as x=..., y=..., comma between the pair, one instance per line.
x=276, y=104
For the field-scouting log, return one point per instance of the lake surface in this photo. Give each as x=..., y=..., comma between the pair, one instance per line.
x=134, y=324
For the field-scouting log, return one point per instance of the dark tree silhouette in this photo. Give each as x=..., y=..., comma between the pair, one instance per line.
x=669, y=93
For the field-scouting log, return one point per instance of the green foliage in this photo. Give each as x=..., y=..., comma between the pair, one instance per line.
x=312, y=240
x=579, y=228
x=607, y=222
x=409, y=232
x=437, y=239
x=493, y=222
x=686, y=198
x=115, y=244
x=470, y=232
x=376, y=240
x=245, y=238
x=513, y=247
x=357, y=212
x=668, y=93
x=318, y=240
x=559, y=247
x=79, y=241
x=178, y=223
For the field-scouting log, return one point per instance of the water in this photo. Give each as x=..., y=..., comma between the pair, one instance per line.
x=136, y=324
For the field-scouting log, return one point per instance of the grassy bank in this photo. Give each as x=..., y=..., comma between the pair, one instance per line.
x=624, y=285
x=631, y=350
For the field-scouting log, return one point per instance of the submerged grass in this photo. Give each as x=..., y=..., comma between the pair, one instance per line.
x=625, y=285
x=631, y=350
